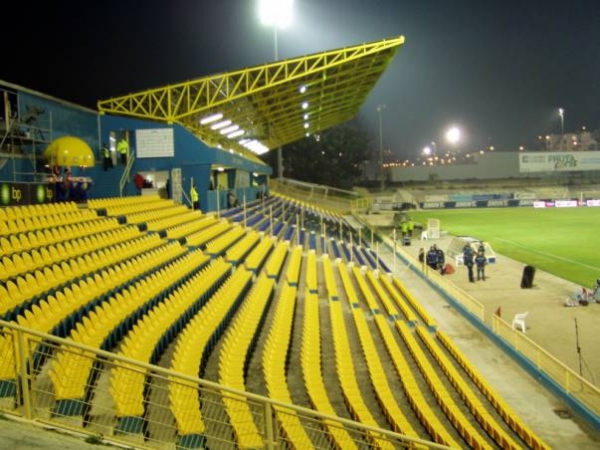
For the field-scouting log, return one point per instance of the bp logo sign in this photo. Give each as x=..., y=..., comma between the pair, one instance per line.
x=5, y=194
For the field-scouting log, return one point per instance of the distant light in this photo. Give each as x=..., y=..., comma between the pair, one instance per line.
x=304, y=105
x=303, y=89
x=453, y=135
x=521, y=148
x=231, y=151
x=481, y=152
x=219, y=125
x=492, y=148
x=306, y=125
x=305, y=116
x=561, y=112
x=212, y=118
x=220, y=169
x=277, y=13
x=427, y=151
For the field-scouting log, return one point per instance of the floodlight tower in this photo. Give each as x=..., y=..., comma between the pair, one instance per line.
x=276, y=14
x=380, y=108
x=453, y=136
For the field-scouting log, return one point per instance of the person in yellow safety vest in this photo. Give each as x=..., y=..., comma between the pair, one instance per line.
x=195, y=198
x=123, y=149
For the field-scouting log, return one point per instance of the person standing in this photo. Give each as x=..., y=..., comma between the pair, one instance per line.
x=106, y=157
x=123, y=149
x=468, y=261
x=441, y=261
x=431, y=257
x=480, y=262
x=195, y=197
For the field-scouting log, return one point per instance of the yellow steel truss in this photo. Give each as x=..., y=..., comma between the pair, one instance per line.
x=266, y=102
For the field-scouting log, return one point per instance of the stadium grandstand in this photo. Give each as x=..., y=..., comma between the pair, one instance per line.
x=283, y=321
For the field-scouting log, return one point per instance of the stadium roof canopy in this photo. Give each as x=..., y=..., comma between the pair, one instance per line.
x=264, y=107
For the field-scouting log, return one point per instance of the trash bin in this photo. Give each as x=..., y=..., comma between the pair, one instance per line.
x=527, y=278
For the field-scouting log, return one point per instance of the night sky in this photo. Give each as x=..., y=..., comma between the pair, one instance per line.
x=498, y=69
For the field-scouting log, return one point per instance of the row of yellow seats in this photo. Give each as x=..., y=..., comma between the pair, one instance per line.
x=29, y=261
x=471, y=399
x=140, y=343
x=33, y=239
x=461, y=423
x=232, y=360
x=39, y=222
x=46, y=209
x=97, y=203
x=379, y=381
x=132, y=207
x=238, y=251
x=184, y=229
x=330, y=284
x=201, y=237
x=408, y=313
x=311, y=362
x=50, y=311
x=191, y=345
x=370, y=300
x=503, y=409
x=184, y=217
x=388, y=305
x=274, y=366
x=164, y=212
x=219, y=244
x=277, y=258
x=416, y=397
x=258, y=254
x=311, y=272
x=70, y=370
x=346, y=374
x=292, y=273
x=429, y=321
x=29, y=285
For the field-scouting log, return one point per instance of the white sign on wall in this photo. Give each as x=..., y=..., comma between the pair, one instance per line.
x=559, y=161
x=155, y=143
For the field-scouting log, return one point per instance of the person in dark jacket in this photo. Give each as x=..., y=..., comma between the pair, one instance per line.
x=468, y=261
x=480, y=262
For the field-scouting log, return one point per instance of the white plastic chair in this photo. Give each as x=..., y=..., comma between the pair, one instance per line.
x=519, y=321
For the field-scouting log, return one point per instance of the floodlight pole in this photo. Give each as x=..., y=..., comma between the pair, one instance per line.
x=379, y=109
x=279, y=150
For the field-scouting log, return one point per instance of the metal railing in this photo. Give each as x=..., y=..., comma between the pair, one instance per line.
x=32, y=395
x=126, y=172
x=338, y=200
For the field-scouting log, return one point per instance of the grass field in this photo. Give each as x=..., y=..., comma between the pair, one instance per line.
x=562, y=241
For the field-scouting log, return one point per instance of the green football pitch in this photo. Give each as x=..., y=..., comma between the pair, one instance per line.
x=562, y=241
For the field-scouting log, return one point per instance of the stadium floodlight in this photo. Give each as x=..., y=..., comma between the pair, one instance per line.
x=229, y=129
x=212, y=118
x=561, y=113
x=220, y=125
x=235, y=134
x=275, y=13
x=453, y=135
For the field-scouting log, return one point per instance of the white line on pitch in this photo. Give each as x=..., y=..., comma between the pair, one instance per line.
x=548, y=254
